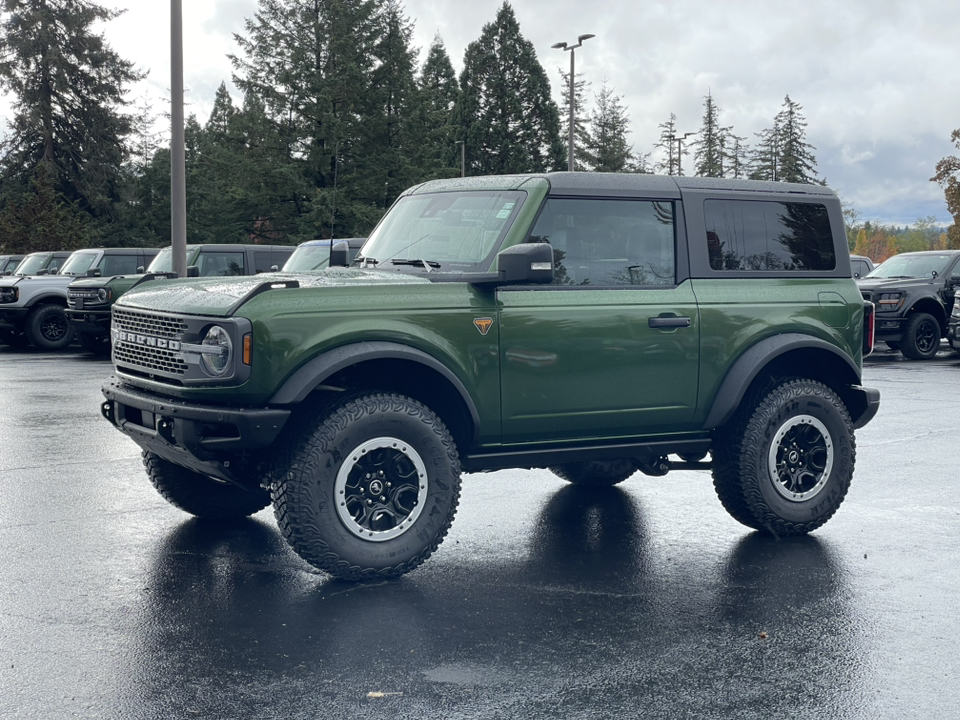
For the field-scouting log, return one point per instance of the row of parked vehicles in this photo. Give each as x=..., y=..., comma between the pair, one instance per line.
x=51, y=299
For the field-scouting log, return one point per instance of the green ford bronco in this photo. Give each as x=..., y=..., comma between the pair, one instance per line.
x=593, y=324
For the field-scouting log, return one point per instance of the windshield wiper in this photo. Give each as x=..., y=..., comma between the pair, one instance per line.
x=426, y=264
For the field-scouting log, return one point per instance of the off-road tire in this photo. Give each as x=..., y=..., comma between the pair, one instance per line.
x=201, y=495
x=334, y=505
x=48, y=328
x=800, y=419
x=921, y=337
x=595, y=472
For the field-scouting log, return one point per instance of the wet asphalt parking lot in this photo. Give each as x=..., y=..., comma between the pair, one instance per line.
x=545, y=601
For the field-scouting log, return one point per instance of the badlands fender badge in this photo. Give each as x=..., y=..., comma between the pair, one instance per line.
x=483, y=324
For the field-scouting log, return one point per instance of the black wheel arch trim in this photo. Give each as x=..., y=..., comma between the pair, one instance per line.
x=312, y=374
x=46, y=299
x=749, y=365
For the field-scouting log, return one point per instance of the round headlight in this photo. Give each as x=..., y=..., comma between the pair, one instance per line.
x=103, y=295
x=216, y=361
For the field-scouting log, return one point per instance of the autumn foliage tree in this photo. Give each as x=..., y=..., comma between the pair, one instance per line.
x=948, y=176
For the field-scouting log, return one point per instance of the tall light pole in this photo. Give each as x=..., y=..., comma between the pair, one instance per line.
x=679, y=139
x=463, y=156
x=571, y=48
x=178, y=183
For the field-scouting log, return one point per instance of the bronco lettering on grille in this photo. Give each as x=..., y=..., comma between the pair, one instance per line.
x=148, y=341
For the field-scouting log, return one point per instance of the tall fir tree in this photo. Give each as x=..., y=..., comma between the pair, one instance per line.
x=607, y=146
x=736, y=157
x=68, y=128
x=581, y=134
x=507, y=118
x=309, y=63
x=708, y=155
x=782, y=153
x=797, y=162
x=437, y=155
x=670, y=162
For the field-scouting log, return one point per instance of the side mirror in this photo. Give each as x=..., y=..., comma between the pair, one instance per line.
x=193, y=271
x=93, y=272
x=140, y=270
x=274, y=268
x=340, y=254
x=526, y=263
x=43, y=272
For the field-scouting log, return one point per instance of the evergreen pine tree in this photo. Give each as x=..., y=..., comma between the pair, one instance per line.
x=608, y=149
x=708, y=156
x=581, y=135
x=670, y=164
x=797, y=162
x=437, y=154
x=507, y=117
x=68, y=129
x=736, y=156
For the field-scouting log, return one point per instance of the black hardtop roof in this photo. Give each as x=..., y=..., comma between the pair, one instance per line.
x=119, y=250
x=619, y=183
x=241, y=246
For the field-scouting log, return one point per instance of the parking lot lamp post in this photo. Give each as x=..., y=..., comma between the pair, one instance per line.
x=178, y=183
x=571, y=48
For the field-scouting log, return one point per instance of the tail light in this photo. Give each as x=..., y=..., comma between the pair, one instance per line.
x=869, y=327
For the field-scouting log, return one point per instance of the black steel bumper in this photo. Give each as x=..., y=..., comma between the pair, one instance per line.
x=197, y=437
x=97, y=321
x=867, y=404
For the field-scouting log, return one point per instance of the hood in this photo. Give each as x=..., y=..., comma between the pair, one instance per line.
x=99, y=282
x=881, y=284
x=216, y=296
x=38, y=280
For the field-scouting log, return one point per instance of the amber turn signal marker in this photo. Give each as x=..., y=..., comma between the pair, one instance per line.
x=247, y=348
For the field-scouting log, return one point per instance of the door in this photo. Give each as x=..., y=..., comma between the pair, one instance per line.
x=611, y=349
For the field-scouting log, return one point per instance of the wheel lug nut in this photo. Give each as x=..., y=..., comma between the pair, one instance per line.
x=382, y=499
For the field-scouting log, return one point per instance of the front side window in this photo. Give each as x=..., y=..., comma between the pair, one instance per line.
x=212, y=263
x=609, y=242
x=31, y=263
x=308, y=258
x=111, y=265
x=448, y=231
x=757, y=235
x=78, y=263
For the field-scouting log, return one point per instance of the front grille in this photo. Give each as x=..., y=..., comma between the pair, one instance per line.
x=145, y=354
x=86, y=294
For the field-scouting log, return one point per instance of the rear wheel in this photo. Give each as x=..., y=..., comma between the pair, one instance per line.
x=595, y=472
x=921, y=337
x=202, y=495
x=786, y=466
x=48, y=328
x=372, y=488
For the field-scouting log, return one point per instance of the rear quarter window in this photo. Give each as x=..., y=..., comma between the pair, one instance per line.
x=758, y=236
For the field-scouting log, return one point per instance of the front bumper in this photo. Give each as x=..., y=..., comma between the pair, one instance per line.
x=97, y=321
x=888, y=328
x=12, y=317
x=201, y=438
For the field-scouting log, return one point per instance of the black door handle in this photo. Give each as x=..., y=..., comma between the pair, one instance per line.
x=669, y=322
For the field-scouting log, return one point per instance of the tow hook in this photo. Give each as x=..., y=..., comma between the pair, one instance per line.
x=165, y=429
x=106, y=409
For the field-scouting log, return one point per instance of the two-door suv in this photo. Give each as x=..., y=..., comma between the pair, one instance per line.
x=592, y=324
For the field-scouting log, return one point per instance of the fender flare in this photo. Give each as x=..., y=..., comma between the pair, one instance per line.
x=47, y=298
x=312, y=373
x=746, y=368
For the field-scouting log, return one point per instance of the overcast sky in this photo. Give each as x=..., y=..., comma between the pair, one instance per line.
x=878, y=80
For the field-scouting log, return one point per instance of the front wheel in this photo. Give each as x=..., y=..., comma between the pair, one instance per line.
x=372, y=489
x=201, y=495
x=921, y=337
x=48, y=328
x=789, y=460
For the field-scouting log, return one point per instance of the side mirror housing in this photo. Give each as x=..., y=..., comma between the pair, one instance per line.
x=340, y=254
x=193, y=271
x=526, y=263
x=93, y=272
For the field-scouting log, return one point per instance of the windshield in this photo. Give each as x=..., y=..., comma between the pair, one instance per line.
x=78, y=263
x=453, y=231
x=31, y=263
x=308, y=257
x=918, y=266
x=163, y=261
